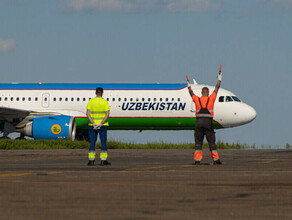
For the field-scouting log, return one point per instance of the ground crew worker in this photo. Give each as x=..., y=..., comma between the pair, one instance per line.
x=204, y=119
x=98, y=113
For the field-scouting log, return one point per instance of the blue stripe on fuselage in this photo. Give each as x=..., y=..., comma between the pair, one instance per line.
x=91, y=86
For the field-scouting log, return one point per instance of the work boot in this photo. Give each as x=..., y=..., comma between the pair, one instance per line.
x=217, y=162
x=104, y=163
x=197, y=163
x=90, y=163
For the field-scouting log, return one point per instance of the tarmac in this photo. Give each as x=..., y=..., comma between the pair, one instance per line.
x=145, y=184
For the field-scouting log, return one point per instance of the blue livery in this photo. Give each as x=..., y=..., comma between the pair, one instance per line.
x=53, y=127
x=90, y=86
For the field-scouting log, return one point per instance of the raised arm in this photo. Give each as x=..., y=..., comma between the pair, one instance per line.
x=217, y=85
x=191, y=91
x=189, y=88
x=219, y=81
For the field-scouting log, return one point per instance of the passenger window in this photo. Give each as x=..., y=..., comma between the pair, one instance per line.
x=125, y=99
x=154, y=99
x=107, y=99
x=143, y=99
x=66, y=99
x=178, y=99
x=131, y=99
x=172, y=99
x=149, y=99
x=60, y=99
x=137, y=99
x=221, y=99
x=54, y=99
x=5, y=98
x=23, y=99
x=119, y=99
x=17, y=99
x=160, y=99
x=84, y=99
x=78, y=99
x=235, y=99
x=29, y=99
x=228, y=99
x=166, y=99
x=114, y=99
x=11, y=98
x=72, y=99
x=0, y=99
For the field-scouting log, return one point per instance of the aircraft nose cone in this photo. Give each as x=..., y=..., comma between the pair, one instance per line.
x=250, y=114
x=244, y=115
x=253, y=113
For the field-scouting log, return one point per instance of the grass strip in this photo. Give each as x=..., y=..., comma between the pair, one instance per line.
x=9, y=144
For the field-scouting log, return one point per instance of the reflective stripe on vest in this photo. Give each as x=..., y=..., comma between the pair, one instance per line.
x=204, y=112
x=98, y=108
x=208, y=110
x=97, y=117
x=94, y=112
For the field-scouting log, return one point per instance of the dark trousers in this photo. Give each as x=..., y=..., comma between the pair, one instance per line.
x=204, y=126
x=93, y=137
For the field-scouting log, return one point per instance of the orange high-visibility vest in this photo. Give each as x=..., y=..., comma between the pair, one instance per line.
x=204, y=100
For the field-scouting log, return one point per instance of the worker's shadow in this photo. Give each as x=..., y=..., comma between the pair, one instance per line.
x=203, y=164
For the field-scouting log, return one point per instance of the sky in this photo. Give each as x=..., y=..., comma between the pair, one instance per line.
x=151, y=41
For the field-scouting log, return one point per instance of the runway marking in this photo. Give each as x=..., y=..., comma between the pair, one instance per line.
x=16, y=174
x=134, y=184
x=26, y=174
x=277, y=169
x=146, y=168
x=268, y=161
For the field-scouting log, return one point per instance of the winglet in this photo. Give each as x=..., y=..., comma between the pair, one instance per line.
x=187, y=78
x=220, y=69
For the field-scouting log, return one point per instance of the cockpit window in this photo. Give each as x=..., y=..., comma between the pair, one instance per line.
x=221, y=99
x=235, y=99
x=228, y=99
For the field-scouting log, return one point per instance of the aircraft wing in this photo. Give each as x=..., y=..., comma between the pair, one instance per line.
x=19, y=117
x=9, y=114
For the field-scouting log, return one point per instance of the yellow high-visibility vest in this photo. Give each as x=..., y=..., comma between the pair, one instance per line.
x=98, y=108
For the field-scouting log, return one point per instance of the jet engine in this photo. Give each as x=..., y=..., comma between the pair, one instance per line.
x=50, y=127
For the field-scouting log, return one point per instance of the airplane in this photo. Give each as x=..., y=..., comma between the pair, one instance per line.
x=58, y=110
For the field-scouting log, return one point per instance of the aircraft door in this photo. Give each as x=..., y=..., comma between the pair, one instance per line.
x=46, y=100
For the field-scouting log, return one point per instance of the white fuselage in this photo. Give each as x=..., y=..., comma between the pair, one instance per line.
x=128, y=103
